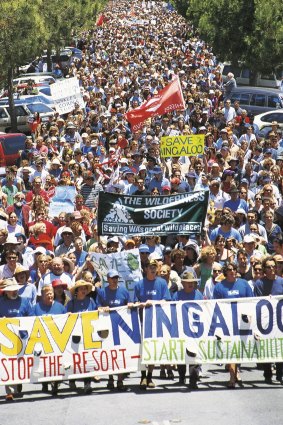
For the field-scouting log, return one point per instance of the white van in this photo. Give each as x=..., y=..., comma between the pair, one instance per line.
x=242, y=75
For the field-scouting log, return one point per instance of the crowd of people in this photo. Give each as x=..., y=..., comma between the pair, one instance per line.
x=46, y=265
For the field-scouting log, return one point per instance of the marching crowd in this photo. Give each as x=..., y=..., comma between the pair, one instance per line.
x=46, y=265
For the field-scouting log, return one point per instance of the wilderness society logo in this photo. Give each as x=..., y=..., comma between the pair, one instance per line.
x=181, y=213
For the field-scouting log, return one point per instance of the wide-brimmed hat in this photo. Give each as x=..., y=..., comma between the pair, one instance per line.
x=79, y=284
x=189, y=277
x=10, y=285
x=70, y=263
x=22, y=269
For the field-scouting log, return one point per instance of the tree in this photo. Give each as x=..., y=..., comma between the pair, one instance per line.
x=63, y=19
x=21, y=34
x=240, y=31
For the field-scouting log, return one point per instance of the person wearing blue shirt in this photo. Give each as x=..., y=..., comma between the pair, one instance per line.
x=158, y=180
x=232, y=287
x=11, y=305
x=46, y=307
x=80, y=254
x=81, y=302
x=226, y=229
x=113, y=296
x=150, y=288
x=235, y=203
x=270, y=284
x=189, y=292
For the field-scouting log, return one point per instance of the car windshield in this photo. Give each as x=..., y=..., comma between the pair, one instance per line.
x=39, y=107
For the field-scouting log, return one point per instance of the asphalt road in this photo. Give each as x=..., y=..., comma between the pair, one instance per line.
x=254, y=403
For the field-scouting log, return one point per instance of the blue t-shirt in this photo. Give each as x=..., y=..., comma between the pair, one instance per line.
x=80, y=257
x=156, y=290
x=78, y=306
x=41, y=309
x=238, y=289
x=112, y=297
x=28, y=291
x=236, y=205
x=19, y=307
x=233, y=233
x=264, y=287
x=184, y=296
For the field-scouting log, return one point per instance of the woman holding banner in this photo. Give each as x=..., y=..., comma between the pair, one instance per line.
x=232, y=287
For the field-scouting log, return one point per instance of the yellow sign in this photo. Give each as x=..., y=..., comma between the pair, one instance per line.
x=188, y=145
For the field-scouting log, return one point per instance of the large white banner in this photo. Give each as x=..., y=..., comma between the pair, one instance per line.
x=79, y=345
x=127, y=263
x=40, y=349
x=62, y=201
x=223, y=331
x=65, y=94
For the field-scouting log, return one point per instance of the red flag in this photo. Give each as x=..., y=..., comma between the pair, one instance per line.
x=166, y=100
x=100, y=20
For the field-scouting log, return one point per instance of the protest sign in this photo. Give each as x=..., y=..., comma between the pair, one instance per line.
x=65, y=94
x=183, y=213
x=214, y=331
x=127, y=263
x=79, y=345
x=62, y=201
x=189, y=145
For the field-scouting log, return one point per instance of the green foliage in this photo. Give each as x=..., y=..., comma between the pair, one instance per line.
x=244, y=31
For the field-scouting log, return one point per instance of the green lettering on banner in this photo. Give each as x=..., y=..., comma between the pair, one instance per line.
x=158, y=350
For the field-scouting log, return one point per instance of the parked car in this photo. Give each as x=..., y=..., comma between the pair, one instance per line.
x=10, y=146
x=265, y=119
x=39, y=74
x=257, y=100
x=25, y=113
x=242, y=76
x=33, y=98
x=36, y=79
x=77, y=53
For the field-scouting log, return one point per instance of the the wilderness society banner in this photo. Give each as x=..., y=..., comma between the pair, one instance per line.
x=183, y=213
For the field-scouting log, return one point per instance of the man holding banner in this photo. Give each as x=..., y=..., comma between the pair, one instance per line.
x=151, y=288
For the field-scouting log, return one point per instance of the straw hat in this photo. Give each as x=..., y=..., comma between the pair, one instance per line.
x=22, y=269
x=79, y=284
x=10, y=285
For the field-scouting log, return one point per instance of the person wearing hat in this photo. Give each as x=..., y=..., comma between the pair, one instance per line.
x=12, y=305
x=59, y=291
x=130, y=182
x=81, y=302
x=158, y=181
x=189, y=292
x=47, y=306
x=68, y=242
x=191, y=179
x=150, y=288
x=235, y=203
x=27, y=289
x=55, y=169
x=113, y=296
x=232, y=287
x=72, y=136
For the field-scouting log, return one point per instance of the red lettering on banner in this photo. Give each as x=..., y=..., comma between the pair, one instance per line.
x=4, y=361
x=103, y=359
x=18, y=369
x=114, y=356
x=52, y=366
x=80, y=362
x=77, y=363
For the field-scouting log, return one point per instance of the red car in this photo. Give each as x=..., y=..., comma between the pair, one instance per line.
x=10, y=146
